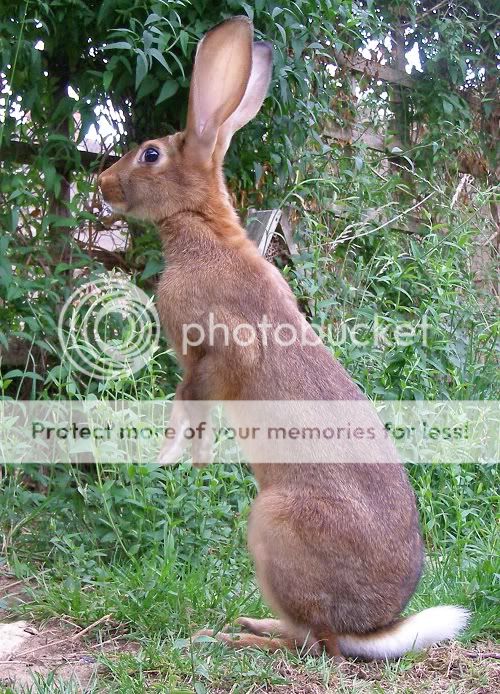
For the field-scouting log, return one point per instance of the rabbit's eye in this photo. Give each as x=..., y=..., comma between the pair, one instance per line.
x=150, y=155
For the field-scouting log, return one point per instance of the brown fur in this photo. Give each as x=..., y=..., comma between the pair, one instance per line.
x=337, y=548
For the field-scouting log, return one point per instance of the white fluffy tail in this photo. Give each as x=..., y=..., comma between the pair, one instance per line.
x=410, y=634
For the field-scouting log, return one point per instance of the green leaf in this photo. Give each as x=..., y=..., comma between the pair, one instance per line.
x=282, y=32
x=4, y=244
x=447, y=106
x=13, y=292
x=117, y=44
x=147, y=39
x=107, y=79
x=51, y=175
x=184, y=40
x=17, y=373
x=141, y=69
x=153, y=267
x=258, y=168
x=169, y=88
x=148, y=86
x=59, y=221
x=63, y=267
x=104, y=10
x=14, y=219
x=204, y=638
x=5, y=272
x=153, y=17
x=181, y=68
x=248, y=9
x=159, y=57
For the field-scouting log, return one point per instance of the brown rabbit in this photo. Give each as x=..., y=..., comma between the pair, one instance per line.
x=337, y=547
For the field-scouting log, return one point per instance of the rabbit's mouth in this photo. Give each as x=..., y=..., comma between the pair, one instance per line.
x=112, y=193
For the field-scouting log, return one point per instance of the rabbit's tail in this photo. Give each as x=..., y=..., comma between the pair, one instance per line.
x=411, y=633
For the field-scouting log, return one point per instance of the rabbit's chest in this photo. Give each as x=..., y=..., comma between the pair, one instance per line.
x=183, y=299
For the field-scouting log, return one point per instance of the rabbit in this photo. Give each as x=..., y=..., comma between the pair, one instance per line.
x=337, y=547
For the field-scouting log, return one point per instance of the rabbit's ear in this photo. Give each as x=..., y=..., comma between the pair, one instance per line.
x=221, y=72
x=262, y=67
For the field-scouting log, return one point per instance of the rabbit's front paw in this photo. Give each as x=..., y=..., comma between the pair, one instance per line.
x=173, y=448
x=201, y=451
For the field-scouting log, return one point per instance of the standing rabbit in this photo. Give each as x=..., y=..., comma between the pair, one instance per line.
x=337, y=547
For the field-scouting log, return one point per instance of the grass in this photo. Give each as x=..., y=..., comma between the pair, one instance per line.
x=174, y=559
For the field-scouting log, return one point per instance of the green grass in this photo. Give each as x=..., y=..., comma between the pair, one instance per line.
x=163, y=552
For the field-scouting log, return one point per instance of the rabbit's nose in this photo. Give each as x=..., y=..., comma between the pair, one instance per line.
x=105, y=183
x=111, y=190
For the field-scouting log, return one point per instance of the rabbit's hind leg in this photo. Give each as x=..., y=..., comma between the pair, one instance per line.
x=263, y=627
x=174, y=445
x=329, y=641
x=301, y=637
x=266, y=643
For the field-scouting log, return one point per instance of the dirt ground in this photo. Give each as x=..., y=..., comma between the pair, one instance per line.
x=56, y=646
x=452, y=669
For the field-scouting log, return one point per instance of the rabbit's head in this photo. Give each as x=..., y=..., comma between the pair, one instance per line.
x=183, y=172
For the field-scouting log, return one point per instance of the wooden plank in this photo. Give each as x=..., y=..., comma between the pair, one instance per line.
x=401, y=122
x=468, y=162
x=381, y=142
x=18, y=352
x=25, y=152
x=286, y=227
x=372, y=68
x=261, y=225
x=408, y=225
